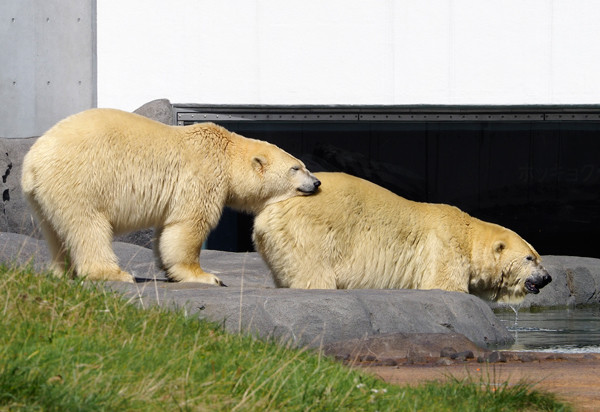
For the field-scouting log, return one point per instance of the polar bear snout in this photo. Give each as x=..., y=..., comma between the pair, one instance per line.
x=310, y=186
x=534, y=283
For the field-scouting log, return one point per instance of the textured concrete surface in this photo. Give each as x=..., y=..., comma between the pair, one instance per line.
x=14, y=213
x=251, y=304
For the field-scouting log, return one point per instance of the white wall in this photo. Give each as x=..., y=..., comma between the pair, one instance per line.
x=47, y=63
x=348, y=52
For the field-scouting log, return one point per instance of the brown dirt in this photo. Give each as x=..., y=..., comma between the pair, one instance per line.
x=574, y=378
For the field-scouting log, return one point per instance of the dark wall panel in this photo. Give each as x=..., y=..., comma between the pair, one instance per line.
x=541, y=179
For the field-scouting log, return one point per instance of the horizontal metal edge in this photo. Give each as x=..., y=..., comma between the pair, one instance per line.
x=285, y=117
x=432, y=117
x=186, y=116
x=573, y=117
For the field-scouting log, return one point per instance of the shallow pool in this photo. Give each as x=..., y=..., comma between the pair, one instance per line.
x=574, y=330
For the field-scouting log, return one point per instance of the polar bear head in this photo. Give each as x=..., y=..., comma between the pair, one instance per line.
x=262, y=174
x=513, y=268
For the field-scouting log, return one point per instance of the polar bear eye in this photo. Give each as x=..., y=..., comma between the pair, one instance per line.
x=529, y=257
x=295, y=168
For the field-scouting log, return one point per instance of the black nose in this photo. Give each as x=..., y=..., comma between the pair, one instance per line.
x=546, y=279
x=317, y=183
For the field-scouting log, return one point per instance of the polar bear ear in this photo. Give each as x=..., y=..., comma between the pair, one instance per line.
x=499, y=247
x=259, y=163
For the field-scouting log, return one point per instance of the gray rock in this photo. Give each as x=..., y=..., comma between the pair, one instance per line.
x=318, y=317
x=20, y=250
x=526, y=358
x=15, y=215
x=495, y=357
x=314, y=318
x=463, y=356
x=238, y=270
x=402, y=346
x=160, y=110
x=447, y=351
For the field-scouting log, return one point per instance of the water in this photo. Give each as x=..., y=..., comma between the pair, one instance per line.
x=573, y=330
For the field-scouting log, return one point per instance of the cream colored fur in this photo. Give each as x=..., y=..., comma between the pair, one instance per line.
x=103, y=172
x=355, y=234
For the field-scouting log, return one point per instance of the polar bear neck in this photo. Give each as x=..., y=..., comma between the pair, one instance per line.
x=486, y=271
x=244, y=186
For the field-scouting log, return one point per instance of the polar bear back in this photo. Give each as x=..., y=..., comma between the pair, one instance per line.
x=360, y=229
x=152, y=166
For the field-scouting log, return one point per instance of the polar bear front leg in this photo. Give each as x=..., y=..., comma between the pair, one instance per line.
x=179, y=245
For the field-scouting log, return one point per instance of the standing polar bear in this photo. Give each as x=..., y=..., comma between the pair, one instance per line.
x=355, y=234
x=104, y=171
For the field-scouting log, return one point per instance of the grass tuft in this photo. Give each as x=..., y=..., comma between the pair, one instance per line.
x=70, y=345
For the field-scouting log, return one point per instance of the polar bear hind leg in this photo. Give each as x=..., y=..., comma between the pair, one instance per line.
x=59, y=258
x=91, y=249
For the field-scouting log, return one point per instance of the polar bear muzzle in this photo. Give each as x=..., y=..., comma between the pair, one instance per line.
x=309, y=185
x=535, y=282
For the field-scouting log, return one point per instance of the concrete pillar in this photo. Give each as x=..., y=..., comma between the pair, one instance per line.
x=47, y=64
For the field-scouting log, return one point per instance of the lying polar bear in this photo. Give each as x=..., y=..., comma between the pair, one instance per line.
x=354, y=234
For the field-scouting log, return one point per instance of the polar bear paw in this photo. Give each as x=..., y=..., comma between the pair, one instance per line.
x=192, y=273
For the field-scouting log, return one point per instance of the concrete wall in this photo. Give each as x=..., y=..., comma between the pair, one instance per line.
x=47, y=64
x=382, y=52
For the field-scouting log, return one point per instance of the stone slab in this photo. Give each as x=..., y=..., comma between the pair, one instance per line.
x=251, y=304
x=412, y=347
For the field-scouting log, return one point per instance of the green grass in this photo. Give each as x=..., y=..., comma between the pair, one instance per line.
x=66, y=346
